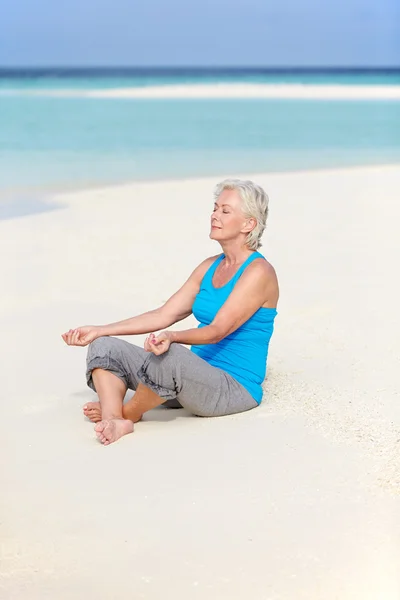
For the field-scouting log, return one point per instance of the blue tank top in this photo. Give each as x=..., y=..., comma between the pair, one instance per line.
x=243, y=353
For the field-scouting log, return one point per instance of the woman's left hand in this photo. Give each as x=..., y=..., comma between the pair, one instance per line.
x=158, y=344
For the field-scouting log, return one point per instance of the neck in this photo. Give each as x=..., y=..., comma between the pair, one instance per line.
x=235, y=253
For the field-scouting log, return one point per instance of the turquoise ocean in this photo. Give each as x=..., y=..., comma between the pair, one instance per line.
x=53, y=137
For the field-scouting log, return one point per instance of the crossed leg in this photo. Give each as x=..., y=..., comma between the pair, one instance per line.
x=92, y=410
x=114, y=419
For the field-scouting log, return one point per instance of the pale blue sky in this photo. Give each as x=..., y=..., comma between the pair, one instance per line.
x=200, y=33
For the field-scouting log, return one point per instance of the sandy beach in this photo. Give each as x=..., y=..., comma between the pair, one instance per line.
x=298, y=499
x=292, y=91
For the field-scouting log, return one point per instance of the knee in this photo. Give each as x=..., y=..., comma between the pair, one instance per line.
x=167, y=362
x=101, y=346
x=175, y=352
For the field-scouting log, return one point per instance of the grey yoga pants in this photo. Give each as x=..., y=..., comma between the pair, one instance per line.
x=179, y=376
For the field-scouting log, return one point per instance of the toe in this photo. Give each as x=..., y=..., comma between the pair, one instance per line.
x=99, y=428
x=109, y=432
x=101, y=437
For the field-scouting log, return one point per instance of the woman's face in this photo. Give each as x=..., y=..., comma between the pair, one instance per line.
x=227, y=218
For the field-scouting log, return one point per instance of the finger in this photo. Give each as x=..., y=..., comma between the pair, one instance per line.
x=158, y=349
x=164, y=346
x=75, y=337
x=152, y=348
x=151, y=339
x=162, y=339
x=69, y=337
x=158, y=340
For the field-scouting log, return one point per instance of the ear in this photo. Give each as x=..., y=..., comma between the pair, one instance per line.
x=249, y=225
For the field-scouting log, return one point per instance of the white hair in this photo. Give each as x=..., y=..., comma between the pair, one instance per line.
x=254, y=205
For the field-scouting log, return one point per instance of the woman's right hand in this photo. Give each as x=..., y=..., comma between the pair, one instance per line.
x=82, y=336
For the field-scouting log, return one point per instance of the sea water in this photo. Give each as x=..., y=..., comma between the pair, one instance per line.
x=57, y=141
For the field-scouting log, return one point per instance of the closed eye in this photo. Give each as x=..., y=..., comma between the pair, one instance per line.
x=226, y=212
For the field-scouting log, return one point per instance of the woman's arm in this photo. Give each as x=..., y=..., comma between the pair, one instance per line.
x=178, y=307
x=256, y=287
x=175, y=309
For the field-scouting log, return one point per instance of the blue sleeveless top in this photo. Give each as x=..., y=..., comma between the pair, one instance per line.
x=243, y=353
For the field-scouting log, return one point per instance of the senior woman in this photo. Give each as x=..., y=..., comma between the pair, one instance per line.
x=233, y=295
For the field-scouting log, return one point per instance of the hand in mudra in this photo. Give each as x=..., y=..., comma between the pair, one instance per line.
x=82, y=336
x=158, y=344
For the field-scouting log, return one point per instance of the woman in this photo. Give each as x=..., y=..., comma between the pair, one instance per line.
x=233, y=295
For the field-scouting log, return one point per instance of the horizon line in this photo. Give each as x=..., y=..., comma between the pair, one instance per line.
x=182, y=68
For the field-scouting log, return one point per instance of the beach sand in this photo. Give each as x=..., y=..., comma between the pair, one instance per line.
x=298, y=499
x=290, y=91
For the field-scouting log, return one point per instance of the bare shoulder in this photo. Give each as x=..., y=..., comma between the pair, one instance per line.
x=263, y=274
x=260, y=267
x=208, y=261
x=202, y=268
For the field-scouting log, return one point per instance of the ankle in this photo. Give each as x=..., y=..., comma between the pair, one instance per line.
x=131, y=413
x=110, y=416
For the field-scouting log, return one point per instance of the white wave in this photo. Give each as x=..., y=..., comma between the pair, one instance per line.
x=227, y=90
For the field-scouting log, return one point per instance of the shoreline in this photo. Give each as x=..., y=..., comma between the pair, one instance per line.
x=46, y=198
x=212, y=180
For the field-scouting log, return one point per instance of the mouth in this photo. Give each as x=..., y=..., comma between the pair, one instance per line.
x=215, y=227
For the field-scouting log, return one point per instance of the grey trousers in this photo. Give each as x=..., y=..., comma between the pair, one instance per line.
x=179, y=376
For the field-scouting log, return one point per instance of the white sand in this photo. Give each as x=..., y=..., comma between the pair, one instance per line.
x=298, y=499
x=234, y=90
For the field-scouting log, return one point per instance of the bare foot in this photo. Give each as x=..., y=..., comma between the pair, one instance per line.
x=92, y=411
x=109, y=431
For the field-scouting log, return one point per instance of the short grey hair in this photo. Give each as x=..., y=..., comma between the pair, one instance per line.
x=254, y=205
